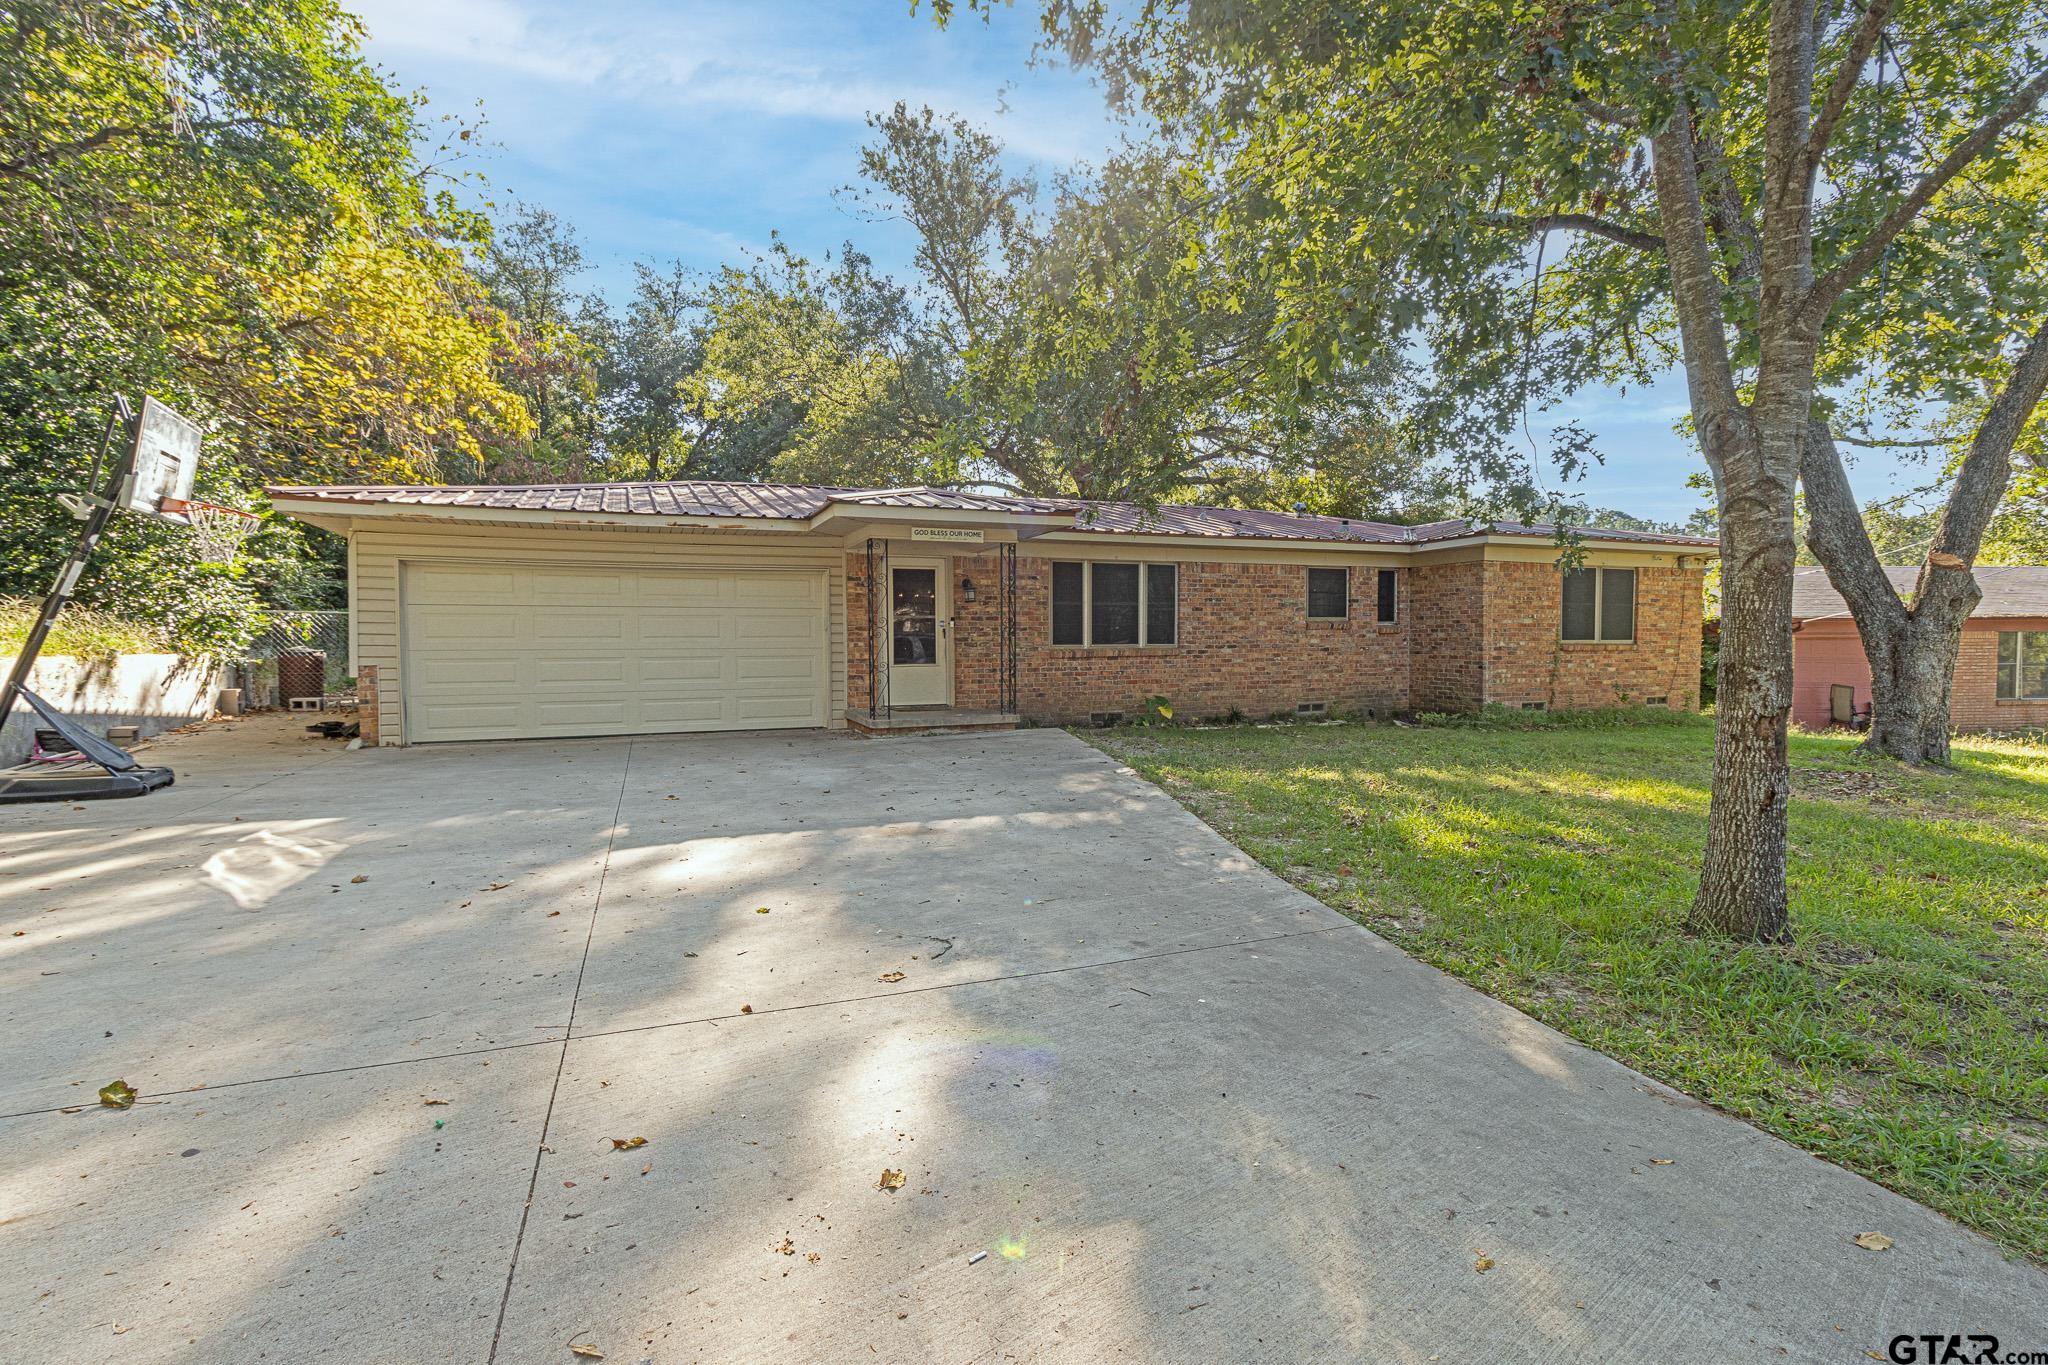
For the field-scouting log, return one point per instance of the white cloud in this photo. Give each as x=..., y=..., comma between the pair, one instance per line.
x=743, y=63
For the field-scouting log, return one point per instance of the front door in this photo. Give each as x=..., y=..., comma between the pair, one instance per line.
x=920, y=634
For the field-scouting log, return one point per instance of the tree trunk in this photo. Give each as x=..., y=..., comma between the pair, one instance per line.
x=1909, y=688
x=1912, y=650
x=1742, y=878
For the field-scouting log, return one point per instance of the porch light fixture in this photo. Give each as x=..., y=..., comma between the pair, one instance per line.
x=966, y=590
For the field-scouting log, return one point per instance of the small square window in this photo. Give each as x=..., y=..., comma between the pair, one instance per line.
x=1389, y=589
x=1329, y=594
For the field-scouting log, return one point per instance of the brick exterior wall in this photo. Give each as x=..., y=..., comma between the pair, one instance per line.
x=1527, y=662
x=366, y=703
x=1450, y=621
x=1828, y=652
x=1466, y=633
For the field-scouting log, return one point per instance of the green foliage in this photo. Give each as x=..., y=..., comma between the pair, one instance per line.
x=80, y=632
x=1470, y=183
x=1552, y=869
x=221, y=204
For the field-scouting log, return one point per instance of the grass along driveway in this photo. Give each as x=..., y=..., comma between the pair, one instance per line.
x=1550, y=864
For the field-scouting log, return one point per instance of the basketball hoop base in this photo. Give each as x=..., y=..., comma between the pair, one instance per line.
x=82, y=781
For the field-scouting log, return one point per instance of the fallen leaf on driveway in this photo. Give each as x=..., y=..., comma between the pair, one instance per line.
x=358, y=879
x=585, y=1350
x=628, y=1144
x=891, y=1180
x=435, y=1101
x=890, y=976
x=117, y=1095
x=762, y=910
x=500, y=886
x=1660, y=1161
x=746, y=1009
x=1483, y=1264
x=1873, y=1241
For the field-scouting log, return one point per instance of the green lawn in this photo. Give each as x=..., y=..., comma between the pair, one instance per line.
x=1904, y=1036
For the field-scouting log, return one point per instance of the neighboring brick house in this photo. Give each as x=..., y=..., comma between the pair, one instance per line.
x=564, y=610
x=2001, y=678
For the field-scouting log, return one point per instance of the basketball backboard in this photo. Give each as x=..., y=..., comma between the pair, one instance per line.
x=166, y=456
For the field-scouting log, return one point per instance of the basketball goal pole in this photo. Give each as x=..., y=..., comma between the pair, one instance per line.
x=120, y=418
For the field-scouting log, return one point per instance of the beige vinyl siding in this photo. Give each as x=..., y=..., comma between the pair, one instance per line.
x=379, y=547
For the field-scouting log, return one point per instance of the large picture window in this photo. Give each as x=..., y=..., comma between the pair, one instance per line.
x=2022, y=665
x=1600, y=604
x=1109, y=603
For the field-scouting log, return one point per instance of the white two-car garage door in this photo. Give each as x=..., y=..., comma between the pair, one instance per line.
x=516, y=651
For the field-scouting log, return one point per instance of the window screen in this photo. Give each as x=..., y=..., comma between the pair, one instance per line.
x=1114, y=604
x=1329, y=593
x=1617, y=604
x=1581, y=586
x=1389, y=581
x=1066, y=604
x=1161, y=599
x=1600, y=604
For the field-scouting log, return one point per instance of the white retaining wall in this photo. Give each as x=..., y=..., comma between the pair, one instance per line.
x=157, y=692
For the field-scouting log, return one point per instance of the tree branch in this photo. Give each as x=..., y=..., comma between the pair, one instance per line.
x=1879, y=443
x=1836, y=534
x=1831, y=285
x=1576, y=222
x=1868, y=33
x=1695, y=290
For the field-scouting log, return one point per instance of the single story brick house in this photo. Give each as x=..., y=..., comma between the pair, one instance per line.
x=2001, y=678
x=644, y=608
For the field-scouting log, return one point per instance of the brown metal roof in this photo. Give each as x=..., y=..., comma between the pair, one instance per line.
x=798, y=502
x=2009, y=590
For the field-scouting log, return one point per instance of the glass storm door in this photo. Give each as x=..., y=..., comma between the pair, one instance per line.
x=920, y=636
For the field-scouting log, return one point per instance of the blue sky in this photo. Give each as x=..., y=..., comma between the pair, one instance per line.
x=692, y=131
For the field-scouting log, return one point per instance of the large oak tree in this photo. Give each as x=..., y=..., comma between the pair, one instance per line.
x=1544, y=195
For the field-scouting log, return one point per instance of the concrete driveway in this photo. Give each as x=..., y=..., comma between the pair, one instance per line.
x=391, y=1010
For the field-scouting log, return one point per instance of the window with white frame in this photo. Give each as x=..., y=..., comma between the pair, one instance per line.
x=1600, y=605
x=1107, y=603
x=2023, y=665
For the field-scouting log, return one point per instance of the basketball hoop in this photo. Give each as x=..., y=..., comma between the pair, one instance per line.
x=217, y=531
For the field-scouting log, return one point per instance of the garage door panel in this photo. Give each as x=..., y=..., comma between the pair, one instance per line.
x=464, y=586
x=708, y=712
x=784, y=625
x=495, y=652
x=773, y=592
x=794, y=669
x=677, y=590
x=481, y=626
x=431, y=673
x=584, y=627
x=698, y=668
x=554, y=672
x=580, y=715
x=580, y=589
x=662, y=626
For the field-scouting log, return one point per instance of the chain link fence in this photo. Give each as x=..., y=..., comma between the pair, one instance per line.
x=303, y=632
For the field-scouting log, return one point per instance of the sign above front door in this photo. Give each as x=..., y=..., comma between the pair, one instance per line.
x=954, y=534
